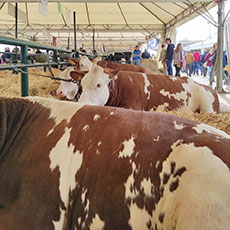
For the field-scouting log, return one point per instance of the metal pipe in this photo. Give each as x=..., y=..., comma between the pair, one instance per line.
x=93, y=39
x=16, y=30
x=220, y=46
x=75, y=34
x=7, y=67
x=13, y=41
x=24, y=75
x=16, y=20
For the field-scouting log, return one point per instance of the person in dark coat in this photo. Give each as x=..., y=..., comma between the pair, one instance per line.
x=146, y=54
x=169, y=55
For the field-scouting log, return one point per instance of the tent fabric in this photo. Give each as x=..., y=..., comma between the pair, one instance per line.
x=118, y=25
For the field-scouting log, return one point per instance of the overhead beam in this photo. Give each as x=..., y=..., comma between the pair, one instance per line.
x=151, y=13
x=87, y=11
x=166, y=11
x=110, y=1
x=189, y=14
x=88, y=29
x=2, y=5
x=122, y=13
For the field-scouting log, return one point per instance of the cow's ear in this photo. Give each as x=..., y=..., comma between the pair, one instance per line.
x=73, y=61
x=113, y=73
x=78, y=75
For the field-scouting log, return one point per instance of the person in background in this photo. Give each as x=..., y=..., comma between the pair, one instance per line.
x=178, y=58
x=209, y=62
x=196, y=56
x=146, y=54
x=202, y=61
x=136, y=56
x=162, y=58
x=169, y=55
x=94, y=53
x=38, y=51
x=189, y=59
x=82, y=50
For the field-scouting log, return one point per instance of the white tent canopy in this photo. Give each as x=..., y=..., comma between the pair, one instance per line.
x=118, y=25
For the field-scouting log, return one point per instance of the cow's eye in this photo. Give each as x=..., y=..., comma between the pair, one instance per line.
x=98, y=85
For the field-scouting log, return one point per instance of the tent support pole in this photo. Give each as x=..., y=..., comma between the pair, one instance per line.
x=220, y=46
x=75, y=34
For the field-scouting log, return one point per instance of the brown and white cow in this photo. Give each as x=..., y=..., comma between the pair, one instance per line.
x=67, y=89
x=124, y=67
x=83, y=64
x=70, y=89
x=65, y=165
x=141, y=91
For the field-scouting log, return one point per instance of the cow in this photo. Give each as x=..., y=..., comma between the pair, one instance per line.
x=83, y=64
x=67, y=89
x=124, y=67
x=141, y=91
x=66, y=165
x=70, y=90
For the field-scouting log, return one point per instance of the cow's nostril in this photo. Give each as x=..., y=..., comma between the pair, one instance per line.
x=59, y=92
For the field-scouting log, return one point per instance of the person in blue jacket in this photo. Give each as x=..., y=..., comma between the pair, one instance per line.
x=169, y=55
x=136, y=56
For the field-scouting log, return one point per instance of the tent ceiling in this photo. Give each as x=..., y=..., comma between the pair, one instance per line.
x=118, y=24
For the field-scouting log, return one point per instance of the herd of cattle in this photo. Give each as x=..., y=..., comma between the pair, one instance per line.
x=85, y=166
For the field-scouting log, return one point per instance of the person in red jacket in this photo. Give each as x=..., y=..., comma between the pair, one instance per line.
x=196, y=56
x=209, y=62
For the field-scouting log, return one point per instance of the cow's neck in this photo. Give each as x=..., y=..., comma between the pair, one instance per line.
x=12, y=116
x=113, y=93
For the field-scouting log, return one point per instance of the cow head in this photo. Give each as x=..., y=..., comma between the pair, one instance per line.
x=83, y=64
x=95, y=90
x=102, y=63
x=67, y=89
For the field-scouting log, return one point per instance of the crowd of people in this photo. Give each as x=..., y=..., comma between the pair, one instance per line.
x=191, y=63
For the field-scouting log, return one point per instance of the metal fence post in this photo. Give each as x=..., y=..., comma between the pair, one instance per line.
x=24, y=76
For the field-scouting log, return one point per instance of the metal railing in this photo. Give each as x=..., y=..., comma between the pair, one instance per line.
x=24, y=59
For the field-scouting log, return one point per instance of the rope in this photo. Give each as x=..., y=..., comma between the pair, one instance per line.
x=17, y=70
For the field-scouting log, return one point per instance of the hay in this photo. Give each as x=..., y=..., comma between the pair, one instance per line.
x=10, y=84
x=220, y=121
x=150, y=65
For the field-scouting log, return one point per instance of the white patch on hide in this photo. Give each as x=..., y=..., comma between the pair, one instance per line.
x=128, y=148
x=59, y=110
x=156, y=139
x=58, y=225
x=209, y=129
x=96, y=117
x=130, y=183
x=178, y=126
x=68, y=163
x=85, y=127
x=147, y=186
x=162, y=108
x=97, y=223
x=138, y=217
x=147, y=84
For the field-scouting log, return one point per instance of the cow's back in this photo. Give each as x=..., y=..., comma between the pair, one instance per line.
x=141, y=91
x=142, y=169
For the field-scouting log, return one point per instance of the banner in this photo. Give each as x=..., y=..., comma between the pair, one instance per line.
x=43, y=7
x=59, y=8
